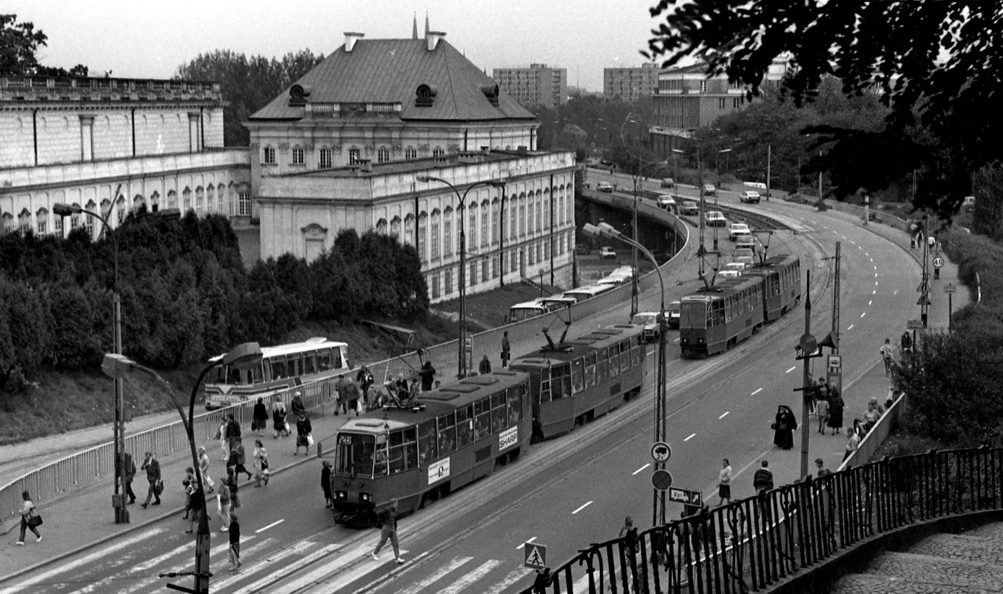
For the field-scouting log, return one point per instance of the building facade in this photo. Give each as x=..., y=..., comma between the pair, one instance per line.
x=537, y=85
x=110, y=146
x=630, y=84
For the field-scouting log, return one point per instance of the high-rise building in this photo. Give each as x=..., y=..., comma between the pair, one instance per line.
x=537, y=85
x=630, y=84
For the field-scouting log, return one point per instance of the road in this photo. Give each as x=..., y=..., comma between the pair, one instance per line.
x=565, y=493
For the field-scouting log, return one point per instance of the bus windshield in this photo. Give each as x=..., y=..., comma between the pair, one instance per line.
x=355, y=454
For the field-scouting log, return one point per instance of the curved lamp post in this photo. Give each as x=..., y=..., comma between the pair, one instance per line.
x=243, y=356
x=605, y=230
x=461, y=370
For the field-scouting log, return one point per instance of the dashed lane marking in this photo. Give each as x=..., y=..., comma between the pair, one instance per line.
x=692, y=435
x=519, y=548
x=850, y=327
x=757, y=391
x=583, y=506
x=726, y=413
x=272, y=525
x=791, y=369
x=641, y=469
x=863, y=314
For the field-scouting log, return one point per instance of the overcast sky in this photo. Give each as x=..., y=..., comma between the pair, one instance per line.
x=149, y=38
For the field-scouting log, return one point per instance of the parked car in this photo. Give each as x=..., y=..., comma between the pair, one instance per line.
x=749, y=196
x=738, y=267
x=709, y=189
x=668, y=182
x=605, y=187
x=607, y=253
x=667, y=202
x=689, y=208
x=736, y=230
x=715, y=218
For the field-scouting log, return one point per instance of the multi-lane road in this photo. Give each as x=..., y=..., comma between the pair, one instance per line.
x=564, y=493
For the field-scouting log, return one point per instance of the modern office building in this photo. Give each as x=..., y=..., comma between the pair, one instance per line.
x=537, y=85
x=630, y=84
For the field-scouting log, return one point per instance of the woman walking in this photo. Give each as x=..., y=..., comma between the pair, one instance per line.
x=259, y=418
x=279, y=424
x=223, y=443
x=303, y=430
x=260, y=463
x=29, y=519
x=784, y=426
x=204, y=469
x=237, y=459
x=836, y=406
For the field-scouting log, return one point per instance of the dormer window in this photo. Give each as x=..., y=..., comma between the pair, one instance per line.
x=424, y=96
x=298, y=95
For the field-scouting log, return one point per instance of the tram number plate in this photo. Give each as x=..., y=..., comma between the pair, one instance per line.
x=438, y=471
x=508, y=438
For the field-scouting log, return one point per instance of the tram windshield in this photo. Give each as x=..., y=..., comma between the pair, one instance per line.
x=693, y=314
x=355, y=454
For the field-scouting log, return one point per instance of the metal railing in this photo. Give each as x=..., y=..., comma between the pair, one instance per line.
x=752, y=544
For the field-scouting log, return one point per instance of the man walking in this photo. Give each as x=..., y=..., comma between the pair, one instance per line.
x=129, y=473
x=762, y=481
x=724, y=482
x=234, y=531
x=485, y=366
x=506, y=350
x=152, y=467
x=388, y=529
x=232, y=433
x=886, y=355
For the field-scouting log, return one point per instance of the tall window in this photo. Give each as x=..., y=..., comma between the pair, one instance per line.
x=472, y=227
x=243, y=204
x=120, y=207
x=199, y=205
x=409, y=230
x=383, y=155
x=268, y=155
x=57, y=226
x=186, y=200
x=485, y=219
x=298, y=158
x=42, y=221
x=86, y=138
x=353, y=155
x=422, y=236
x=529, y=213
x=210, y=198
x=539, y=214
x=172, y=199
x=435, y=236
x=447, y=238
x=720, y=103
x=410, y=153
x=24, y=222
x=395, y=228
x=495, y=212
x=513, y=216
x=438, y=152
x=325, y=158
x=220, y=190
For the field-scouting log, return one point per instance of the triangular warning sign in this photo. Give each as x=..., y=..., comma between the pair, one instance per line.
x=922, y=299
x=535, y=556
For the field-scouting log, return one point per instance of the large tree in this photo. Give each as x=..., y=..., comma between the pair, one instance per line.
x=19, y=43
x=934, y=64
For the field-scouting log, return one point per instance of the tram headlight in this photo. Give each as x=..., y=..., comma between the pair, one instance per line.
x=341, y=495
x=366, y=497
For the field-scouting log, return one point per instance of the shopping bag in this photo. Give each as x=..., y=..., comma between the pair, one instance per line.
x=309, y=440
x=35, y=520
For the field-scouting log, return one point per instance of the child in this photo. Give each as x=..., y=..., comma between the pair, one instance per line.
x=234, y=530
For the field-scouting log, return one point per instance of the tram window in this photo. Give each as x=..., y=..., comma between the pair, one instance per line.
x=560, y=383
x=464, y=426
x=602, y=366
x=624, y=356
x=355, y=454
x=279, y=368
x=324, y=360
x=426, y=442
x=498, y=412
x=514, y=406
x=396, y=451
x=614, y=360
x=590, y=370
x=447, y=433
x=578, y=375
x=545, y=387
x=309, y=363
x=637, y=355
x=717, y=313
x=380, y=456
x=482, y=419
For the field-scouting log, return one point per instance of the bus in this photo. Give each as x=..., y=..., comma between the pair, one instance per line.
x=583, y=293
x=527, y=310
x=282, y=367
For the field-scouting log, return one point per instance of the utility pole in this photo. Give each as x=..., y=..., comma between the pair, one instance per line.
x=924, y=298
x=634, y=279
x=769, y=158
x=835, y=305
x=808, y=347
x=701, y=250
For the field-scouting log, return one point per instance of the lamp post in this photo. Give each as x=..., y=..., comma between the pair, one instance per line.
x=717, y=163
x=243, y=356
x=461, y=370
x=118, y=428
x=675, y=161
x=658, y=498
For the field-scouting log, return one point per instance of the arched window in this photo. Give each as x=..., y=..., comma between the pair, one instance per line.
x=381, y=226
x=298, y=156
x=422, y=236
x=268, y=155
x=546, y=208
x=325, y=158
x=539, y=212
x=438, y=152
x=138, y=202
x=120, y=210
x=522, y=216
x=395, y=228
x=529, y=214
x=210, y=199
x=199, y=197
x=434, y=236
x=42, y=221
x=186, y=200
x=221, y=206
x=24, y=222
x=383, y=155
x=409, y=229
x=155, y=201
x=353, y=155
x=513, y=218
x=7, y=223
x=74, y=218
x=89, y=221
x=560, y=209
x=447, y=233
x=172, y=199
x=485, y=221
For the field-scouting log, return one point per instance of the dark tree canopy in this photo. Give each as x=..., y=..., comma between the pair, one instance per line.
x=934, y=64
x=18, y=44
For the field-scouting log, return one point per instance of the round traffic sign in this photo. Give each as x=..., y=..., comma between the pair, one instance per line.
x=661, y=452
x=661, y=479
x=938, y=262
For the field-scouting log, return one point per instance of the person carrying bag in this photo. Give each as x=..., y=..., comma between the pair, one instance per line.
x=30, y=520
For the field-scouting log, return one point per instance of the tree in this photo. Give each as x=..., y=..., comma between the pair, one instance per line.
x=934, y=64
x=18, y=44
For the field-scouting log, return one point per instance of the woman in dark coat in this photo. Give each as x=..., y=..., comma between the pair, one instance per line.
x=259, y=419
x=784, y=426
x=836, y=406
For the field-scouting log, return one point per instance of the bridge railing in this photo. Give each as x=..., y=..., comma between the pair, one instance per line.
x=755, y=543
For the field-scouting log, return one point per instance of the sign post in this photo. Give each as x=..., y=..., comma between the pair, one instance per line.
x=834, y=372
x=950, y=289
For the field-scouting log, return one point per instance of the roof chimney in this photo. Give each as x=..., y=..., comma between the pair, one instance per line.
x=432, y=39
x=350, y=39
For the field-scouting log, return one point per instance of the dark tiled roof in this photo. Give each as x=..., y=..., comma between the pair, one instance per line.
x=389, y=71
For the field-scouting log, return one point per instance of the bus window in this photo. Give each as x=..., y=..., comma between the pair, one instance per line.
x=602, y=365
x=266, y=367
x=279, y=367
x=498, y=413
x=338, y=358
x=578, y=375
x=309, y=363
x=426, y=442
x=464, y=426
x=216, y=375
x=514, y=406
x=324, y=359
x=294, y=365
x=447, y=433
x=256, y=376
x=590, y=370
x=233, y=376
x=482, y=419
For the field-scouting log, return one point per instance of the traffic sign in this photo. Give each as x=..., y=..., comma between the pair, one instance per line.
x=924, y=299
x=914, y=325
x=534, y=555
x=938, y=262
x=686, y=496
x=922, y=287
x=661, y=452
x=661, y=479
x=950, y=288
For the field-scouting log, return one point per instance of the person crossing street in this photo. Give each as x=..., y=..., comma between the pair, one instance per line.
x=388, y=530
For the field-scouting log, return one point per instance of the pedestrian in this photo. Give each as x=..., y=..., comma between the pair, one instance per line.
x=197, y=506
x=871, y=415
x=724, y=482
x=297, y=405
x=341, y=395
x=224, y=444
x=821, y=469
x=204, y=469
x=485, y=366
x=232, y=432
x=506, y=350
x=279, y=424
x=427, y=375
x=259, y=418
x=303, y=431
x=234, y=531
x=31, y=520
x=354, y=398
x=237, y=460
x=852, y=442
x=823, y=414
x=260, y=463
x=629, y=535
x=906, y=342
x=886, y=355
x=129, y=466
x=387, y=520
x=234, y=488
x=325, y=483
x=784, y=425
x=189, y=485
x=762, y=481
x=223, y=504
x=152, y=467
x=364, y=380
x=835, y=411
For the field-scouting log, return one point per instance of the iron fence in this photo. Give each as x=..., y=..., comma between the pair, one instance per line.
x=752, y=544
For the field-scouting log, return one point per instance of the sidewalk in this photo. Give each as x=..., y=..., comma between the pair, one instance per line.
x=86, y=518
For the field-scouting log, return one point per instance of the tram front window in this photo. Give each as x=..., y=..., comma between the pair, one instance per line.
x=355, y=454
x=693, y=314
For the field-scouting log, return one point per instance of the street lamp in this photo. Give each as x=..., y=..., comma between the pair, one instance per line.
x=658, y=498
x=242, y=357
x=675, y=161
x=118, y=428
x=461, y=370
x=717, y=163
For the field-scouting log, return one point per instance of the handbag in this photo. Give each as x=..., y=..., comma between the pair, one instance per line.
x=158, y=487
x=309, y=439
x=35, y=520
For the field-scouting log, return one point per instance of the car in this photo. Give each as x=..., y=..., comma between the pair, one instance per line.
x=668, y=182
x=744, y=253
x=648, y=319
x=607, y=253
x=724, y=273
x=738, y=267
x=605, y=187
x=709, y=190
x=666, y=201
x=746, y=241
x=715, y=218
x=736, y=230
x=689, y=208
x=749, y=196
x=746, y=261
x=674, y=309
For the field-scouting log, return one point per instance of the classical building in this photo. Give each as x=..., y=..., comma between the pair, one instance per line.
x=688, y=99
x=537, y=85
x=348, y=145
x=630, y=84
x=110, y=144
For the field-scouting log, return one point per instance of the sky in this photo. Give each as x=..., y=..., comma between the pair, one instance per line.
x=150, y=39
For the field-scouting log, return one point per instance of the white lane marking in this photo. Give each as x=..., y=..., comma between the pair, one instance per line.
x=519, y=548
x=895, y=292
x=866, y=254
x=758, y=390
x=452, y=566
x=875, y=292
x=339, y=582
x=676, y=340
x=853, y=242
x=272, y=525
x=863, y=314
x=85, y=560
x=358, y=559
x=843, y=236
x=471, y=577
x=692, y=435
x=151, y=563
x=791, y=369
x=217, y=552
x=875, y=282
x=586, y=504
x=860, y=247
x=278, y=574
x=869, y=302
x=875, y=267
x=850, y=327
x=639, y=470
x=512, y=578
x=726, y=413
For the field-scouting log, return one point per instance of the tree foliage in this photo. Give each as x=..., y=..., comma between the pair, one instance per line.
x=933, y=64
x=19, y=42
x=247, y=83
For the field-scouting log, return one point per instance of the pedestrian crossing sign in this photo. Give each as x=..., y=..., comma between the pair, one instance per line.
x=535, y=555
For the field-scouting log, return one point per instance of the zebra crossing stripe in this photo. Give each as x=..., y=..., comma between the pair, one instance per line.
x=514, y=576
x=471, y=577
x=443, y=571
x=271, y=578
x=151, y=563
x=322, y=572
x=214, y=552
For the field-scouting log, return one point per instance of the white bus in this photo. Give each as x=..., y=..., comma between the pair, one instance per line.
x=583, y=293
x=526, y=310
x=282, y=367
